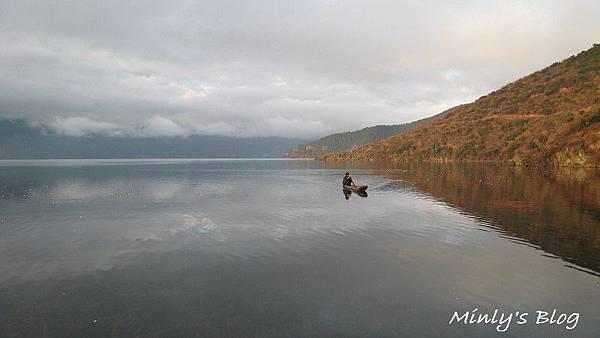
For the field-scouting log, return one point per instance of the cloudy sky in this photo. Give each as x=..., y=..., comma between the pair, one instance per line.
x=286, y=68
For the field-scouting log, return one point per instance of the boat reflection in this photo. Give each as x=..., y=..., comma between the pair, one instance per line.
x=347, y=193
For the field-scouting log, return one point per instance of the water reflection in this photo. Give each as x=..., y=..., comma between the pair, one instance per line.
x=555, y=210
x=348, y=193
x=268, y=248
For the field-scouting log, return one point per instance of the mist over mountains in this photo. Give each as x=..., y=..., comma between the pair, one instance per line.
x=18, y=140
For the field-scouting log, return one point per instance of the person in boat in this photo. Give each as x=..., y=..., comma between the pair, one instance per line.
x=347, y=180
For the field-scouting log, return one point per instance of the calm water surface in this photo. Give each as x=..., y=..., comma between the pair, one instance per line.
x=273, y=248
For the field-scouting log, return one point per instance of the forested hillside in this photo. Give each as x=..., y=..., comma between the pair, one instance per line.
x=549, y=118
x=349, y=140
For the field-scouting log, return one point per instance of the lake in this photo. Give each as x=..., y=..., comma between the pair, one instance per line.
x=271, y=248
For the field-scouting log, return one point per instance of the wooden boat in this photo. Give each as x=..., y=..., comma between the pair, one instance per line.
x=356, y=188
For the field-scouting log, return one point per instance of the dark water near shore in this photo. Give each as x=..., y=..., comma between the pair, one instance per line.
x=272, y=248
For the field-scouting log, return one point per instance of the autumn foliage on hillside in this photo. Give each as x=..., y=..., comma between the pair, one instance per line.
x=549, y=118
x=352, y=139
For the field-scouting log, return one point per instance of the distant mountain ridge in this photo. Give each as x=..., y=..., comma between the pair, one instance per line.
x=348, y=140
x=18, y=140
x=549, y=118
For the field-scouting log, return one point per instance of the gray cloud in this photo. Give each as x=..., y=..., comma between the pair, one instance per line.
x=302, y=69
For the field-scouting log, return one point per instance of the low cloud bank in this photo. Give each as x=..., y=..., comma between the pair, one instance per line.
x=273, y=68
x=159, y=126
